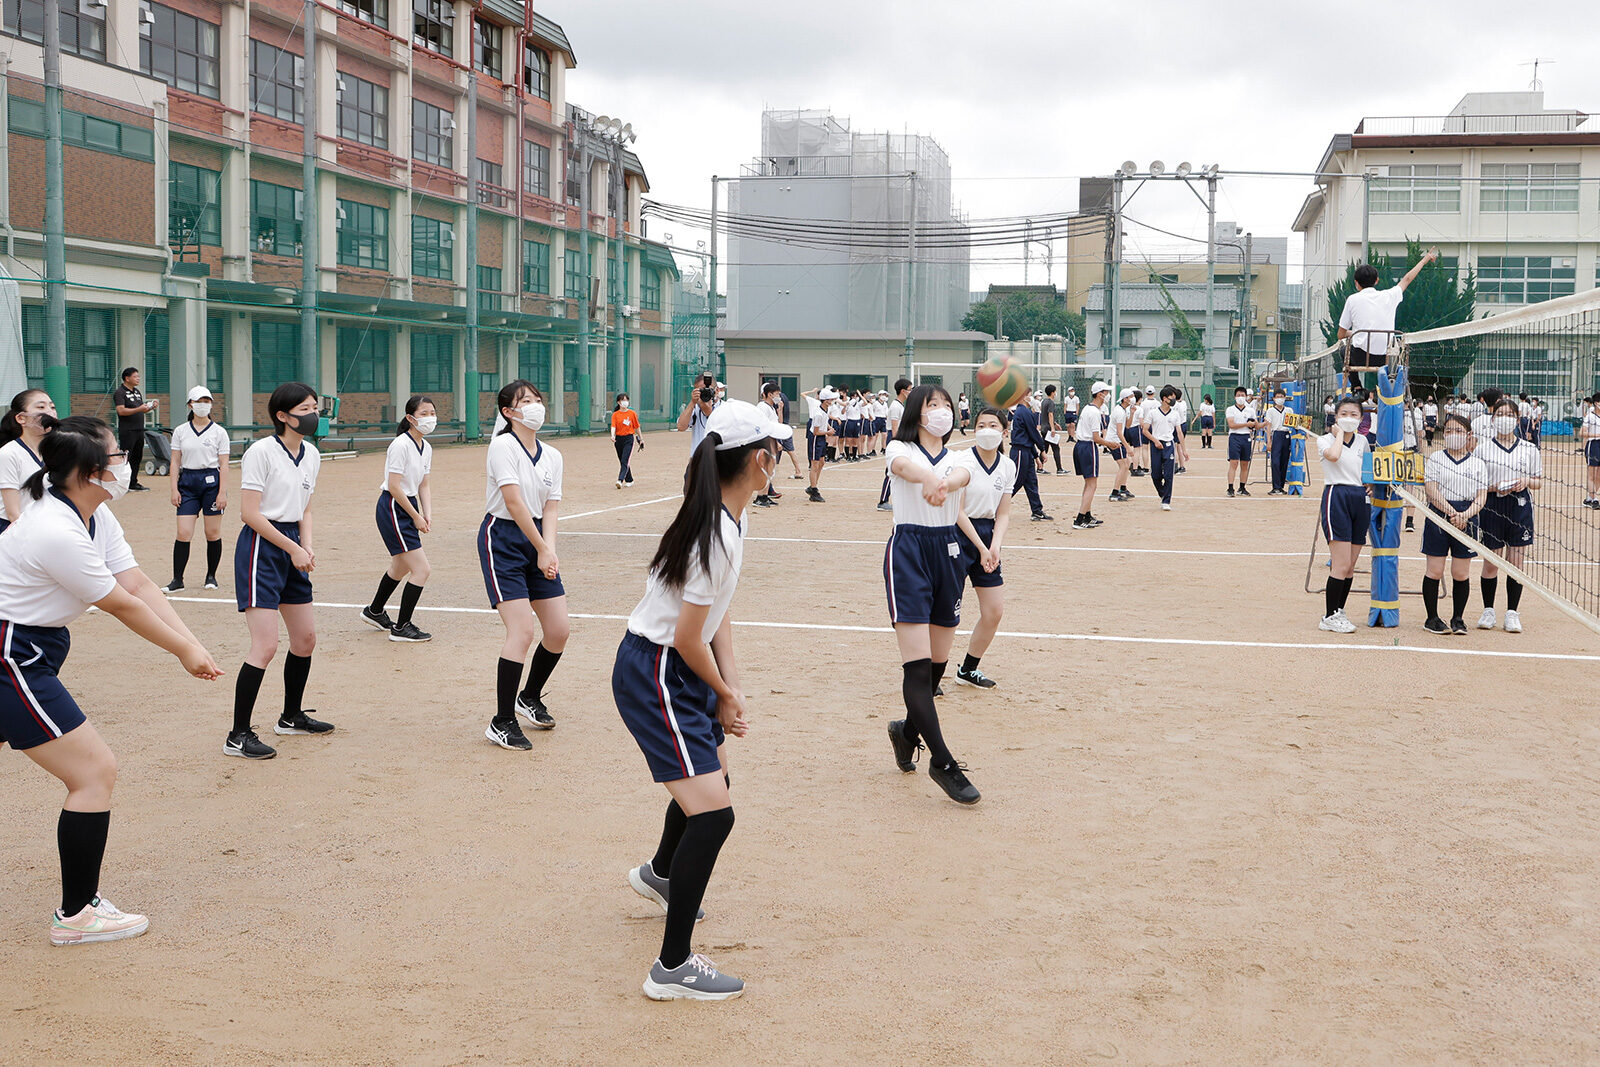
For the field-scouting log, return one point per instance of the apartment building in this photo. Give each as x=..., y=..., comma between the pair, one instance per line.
x=185, y=207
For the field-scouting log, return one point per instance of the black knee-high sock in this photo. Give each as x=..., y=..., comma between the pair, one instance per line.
x=81, y=840
x=213, y=557
x=1488, y=585
x=938, y=674
x=180, y=559
x=692, y=864
x=1339, y=588
x=408, y=603
x=508, y=675
x=1330, y=597
x=671, y=833
x=544, y=661
x=970, y=663
x=922, y=718
x=1459, y=592
x=1513, y=593
x=245, y=689
x=296, y=669
x=1430, y=596
x=386, y=588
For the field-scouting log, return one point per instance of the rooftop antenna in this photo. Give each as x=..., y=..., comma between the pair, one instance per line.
x=1536, y=85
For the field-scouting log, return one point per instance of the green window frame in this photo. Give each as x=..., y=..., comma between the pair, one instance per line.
x=533, y=364
x=275, y=215
x=433, y=359
x=194, y=205
x=26, y=117
x=91, y=348
x=216, y=352
x=535, y=266
x=574, y=280
x=363, y=235
x=1524, y=279
x=362, y=360
x=650, y=290
x=431, y=244
x=490, y=283
x=274, y=354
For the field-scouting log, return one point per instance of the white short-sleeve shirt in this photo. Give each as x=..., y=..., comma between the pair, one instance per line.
x=1090, y=422
x=1143, y=408
x=905, y=496
x=852, y=410
x=1163, y=426
x=1369, y=316
x=205, y=450
x=1347, y=471
x=1071, y=402
x=1591, y=430
x=896, y=411
x=53, y=566
x=988, y=485
x=1275, y=417
x=18, y=463
x=1457, y=479
x=1506, y=465
x=284, y=481
x=1238, y=417
x=655, y=618
x=816, y=416
x=411, y=461
x=1209, y=409
x=537, y=474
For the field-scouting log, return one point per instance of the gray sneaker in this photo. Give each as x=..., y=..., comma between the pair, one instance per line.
x=697, y=979
x=652, y=886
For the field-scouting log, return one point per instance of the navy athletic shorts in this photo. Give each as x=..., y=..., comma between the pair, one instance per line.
x=1346, y=513
x=399, y=532
x=972, y=562
x=670, y=710
x=1239, y=447
x=816, y=446
x=1086, y=459
x=1436, y=542
x=1507, y=521
x=34, y=706
x=1591, y=452
x=511, y=563
x=197, y=491
x=263, y=577
x=922, y=575
x=1135, y=437
x=1207, y=422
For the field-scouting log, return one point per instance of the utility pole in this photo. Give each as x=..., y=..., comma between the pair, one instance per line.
x=474, y=369
x=1366, y=214
x=1114, y=290
x=711, y=271
x=1211, y=271
x=57, y=382
x=310, y=356
x=911, y=270
x=1247, y=314
x=585, y=363
x=1027, y=248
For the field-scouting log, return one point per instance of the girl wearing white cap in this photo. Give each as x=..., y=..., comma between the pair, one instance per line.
x=986, y=512
x=922, y=575
x=676, y=685
x=1122, y=433
x=199, y=485
x=404, y=514
x=817, y=431
x=1090, y=436
x=1345, y=509
x=20, y=436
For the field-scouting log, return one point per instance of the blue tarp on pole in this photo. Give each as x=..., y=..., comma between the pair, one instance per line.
x=1296, y=481
x=1387, y=505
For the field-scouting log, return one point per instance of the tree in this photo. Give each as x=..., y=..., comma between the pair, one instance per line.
x=1024, y=315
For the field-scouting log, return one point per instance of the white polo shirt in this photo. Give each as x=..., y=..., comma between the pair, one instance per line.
x=1091, y=421
x=537, y=474
x=1371, y=309
x=1163, y=426
x=1208, y=409
x=1070, y=403
x=1506, y=465
x=989, y=485
x=896, y=410
x=1275, y=417
x=205, y=450
x=17, y=464
x=1144, y=408
x=852, y=410
x=1591, y=431
x=284, y=481
x=410, y=461
x=1119, y=422
x=1347, y=471
x=1238, y=417
x=1457, y=479
x=905, y=496
x=655, y=618
x=816, y=416
x=52, y=566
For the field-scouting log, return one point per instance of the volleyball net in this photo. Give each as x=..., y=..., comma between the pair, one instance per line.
x=1080, y=377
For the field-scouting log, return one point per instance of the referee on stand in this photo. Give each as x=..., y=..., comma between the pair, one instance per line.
x=131, y=407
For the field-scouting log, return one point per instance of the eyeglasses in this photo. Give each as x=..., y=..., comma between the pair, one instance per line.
x=116, y=455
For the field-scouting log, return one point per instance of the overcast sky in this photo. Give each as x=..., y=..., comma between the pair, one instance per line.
x=1025, y=96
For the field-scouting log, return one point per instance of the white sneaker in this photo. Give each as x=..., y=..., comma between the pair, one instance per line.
x=1337, y=623
x=98, y=921
x=1166, y=507
x=1486, y=620
x=1513, y=622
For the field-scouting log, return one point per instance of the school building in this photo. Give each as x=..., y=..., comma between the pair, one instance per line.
x=183, y=129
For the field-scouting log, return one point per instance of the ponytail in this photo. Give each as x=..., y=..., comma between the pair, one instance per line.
x=10, y=428
x=75, y=445
x=698, y=525
x=411, y=409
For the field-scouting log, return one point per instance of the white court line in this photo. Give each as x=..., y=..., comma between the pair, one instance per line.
x=1312, y=646
x=619, y=507
x=1008, y=548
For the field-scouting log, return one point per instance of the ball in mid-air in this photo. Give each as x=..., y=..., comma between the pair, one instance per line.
x=1002, y=383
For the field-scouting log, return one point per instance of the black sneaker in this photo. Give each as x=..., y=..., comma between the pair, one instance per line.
x=172, y=586
x=1082, y=523
x=953, y=780
x=762, y=501
x=1090, y=522
x=1243, y=491
x=301, y=722
x=974, y=677
x=245, y=743
x=1040, y=516
x=814, y=496
x=1230, y=490
x=138, y=488
x=508, y=735
x=211, y=581
x=1181, y=470
x=1436, y=625
x=380, y=619
x=1410, y=526
x=1126, y=495
x=1458, y=626
x=905, y=750
x=938, y=690
x=407, y=631
x=536, y=713
x=886, y=506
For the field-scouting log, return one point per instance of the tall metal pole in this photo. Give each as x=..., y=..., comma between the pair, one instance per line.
x=473, y=361
x=619, y=274
x=1366, y=216
x=1027, y=248
x=1211, y=272
x=56, y=380
x=911, y=270
x=310, y=356
x=1247, y=332
x=711, y=270
x=1114, y=291
x=585, y=360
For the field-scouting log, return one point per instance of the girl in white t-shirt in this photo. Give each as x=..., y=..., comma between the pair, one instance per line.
x=1589, y=434
x=1516, y=471
x=1457, y=487
x=199, y=485
x=21, y=432
x=985, y=515
x=404, y=514
x=1346, y=511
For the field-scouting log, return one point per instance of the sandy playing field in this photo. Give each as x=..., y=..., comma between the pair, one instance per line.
x=1209, y=832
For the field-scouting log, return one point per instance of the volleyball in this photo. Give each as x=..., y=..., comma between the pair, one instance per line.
x=1002, y=383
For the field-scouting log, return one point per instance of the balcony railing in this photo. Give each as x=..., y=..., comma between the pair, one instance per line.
x=1434, y=125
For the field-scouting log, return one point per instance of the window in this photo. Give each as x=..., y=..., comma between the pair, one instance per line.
x=489, y=286
x=194, y=206
x=431, y=24
x=275, y=218
x=536, y=168
x=275, y=77
x=1530, y=187
x=487, y=47
x=490, y=178
x=574, y=182
x=83, y=29
x=275, y=354
x=362, y=361
x=1524, y=279
x=574, y=289
x=373, y=11
x=1130, y=335
x=433, y=357
x=536, y=70
x=1419, y=188
x=179, y=49
x=26, y=117
x=363, y=235
x=432, y=133
x=363, y=111
x=91, y=348
x=216, y=351
x=535, y=267
x=431, y=241
x=533, y=364
x=650, y=290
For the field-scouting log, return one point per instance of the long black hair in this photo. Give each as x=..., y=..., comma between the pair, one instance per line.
x=911, y=420
x=74, y=445
x=11, y=429
x=284, y=399
x=698, y=524
x=508, y=396
x=411, y=409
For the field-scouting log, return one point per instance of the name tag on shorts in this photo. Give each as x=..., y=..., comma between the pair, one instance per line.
x=955, y=549
x=211, y=479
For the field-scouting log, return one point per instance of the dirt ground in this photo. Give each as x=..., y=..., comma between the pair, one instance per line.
x=1209, y=832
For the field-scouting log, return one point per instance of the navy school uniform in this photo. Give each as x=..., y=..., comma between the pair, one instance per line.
x=922, y=560
x=1085, y=453
x=263, y=576
x=201, y=454
x=509, y=560
x=981, y=499
x=1459, y=481
x=1240, y=442
x=412, y=461
x=1507, y=518
x=1346, y=511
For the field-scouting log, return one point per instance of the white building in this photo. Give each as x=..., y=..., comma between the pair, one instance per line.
x=1145, y=320
x=1501, y=184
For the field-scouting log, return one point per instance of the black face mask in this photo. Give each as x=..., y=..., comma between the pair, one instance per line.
x=306, y=425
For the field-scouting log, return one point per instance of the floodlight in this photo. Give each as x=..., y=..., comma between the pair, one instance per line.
x=1184, y=169
x=1130, y=167
x=602, y=120
x=1158, y=168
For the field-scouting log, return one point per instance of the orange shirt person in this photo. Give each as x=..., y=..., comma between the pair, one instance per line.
x=624, y=432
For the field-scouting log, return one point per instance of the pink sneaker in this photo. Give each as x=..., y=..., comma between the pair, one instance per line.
x=98, y=921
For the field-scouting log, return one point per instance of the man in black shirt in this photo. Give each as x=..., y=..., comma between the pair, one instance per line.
x=1050, y=424
x=131, y=406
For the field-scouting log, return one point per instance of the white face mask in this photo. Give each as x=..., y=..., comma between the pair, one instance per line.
x=622, y=405
x=1457, y=441
x=201, y=408
x=426, y=424
x=988, y=438
x=1349, y=423
x=123, y=477
x=938, y=421
x=1505, y=424
x=531, y=415
x=1277, y=401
